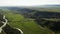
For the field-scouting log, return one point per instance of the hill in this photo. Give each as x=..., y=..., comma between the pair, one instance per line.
x=27, y=25
x=34, y=20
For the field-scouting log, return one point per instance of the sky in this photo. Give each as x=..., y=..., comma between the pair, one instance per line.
x=27, y=2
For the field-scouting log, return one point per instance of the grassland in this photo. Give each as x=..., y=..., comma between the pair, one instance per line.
x=28, y=26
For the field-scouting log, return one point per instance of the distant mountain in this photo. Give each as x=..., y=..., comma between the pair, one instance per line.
x=51, y=5
x=18, y=9
x=48, y=6
x=31, y=13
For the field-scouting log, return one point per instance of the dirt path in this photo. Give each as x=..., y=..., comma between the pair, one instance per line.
x=4, y=23
x=4, y=27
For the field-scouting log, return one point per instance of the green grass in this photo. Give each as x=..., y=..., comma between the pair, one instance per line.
x=52, y=19
x=28, y=26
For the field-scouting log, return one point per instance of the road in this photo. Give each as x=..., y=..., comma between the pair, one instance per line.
x=5, y=23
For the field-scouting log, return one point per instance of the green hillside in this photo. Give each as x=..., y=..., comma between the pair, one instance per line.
x=32, y=22
x=28, y=26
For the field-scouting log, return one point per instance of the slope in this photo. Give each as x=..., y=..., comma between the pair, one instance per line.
x=27, y=25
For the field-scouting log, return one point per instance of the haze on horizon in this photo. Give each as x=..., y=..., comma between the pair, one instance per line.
x=28, y=2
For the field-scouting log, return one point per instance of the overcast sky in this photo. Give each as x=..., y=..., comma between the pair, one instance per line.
x=27, y=2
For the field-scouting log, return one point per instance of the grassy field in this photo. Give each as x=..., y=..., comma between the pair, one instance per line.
x=28, y=26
